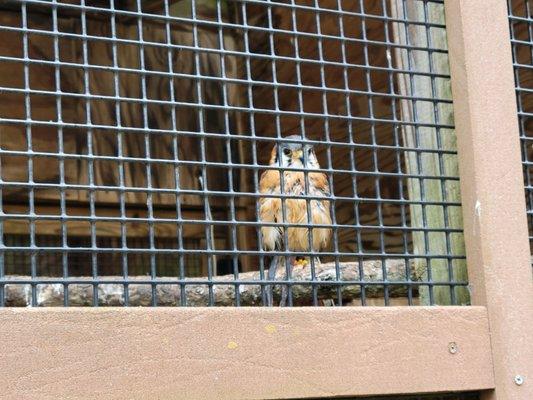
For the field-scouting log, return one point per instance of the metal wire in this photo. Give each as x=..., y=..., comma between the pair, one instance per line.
x=136, y=133
x=521, y=30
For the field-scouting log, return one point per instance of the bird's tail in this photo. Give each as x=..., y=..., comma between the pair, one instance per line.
x=271, y=276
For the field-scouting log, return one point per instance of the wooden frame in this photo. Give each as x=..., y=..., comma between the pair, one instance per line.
x=289, y=353
x=242, y=353
x=492, y=188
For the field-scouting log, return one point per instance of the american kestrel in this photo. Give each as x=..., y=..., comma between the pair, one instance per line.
x=293, y=155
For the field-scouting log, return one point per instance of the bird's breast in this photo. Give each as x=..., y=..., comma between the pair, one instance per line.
x=295, y=185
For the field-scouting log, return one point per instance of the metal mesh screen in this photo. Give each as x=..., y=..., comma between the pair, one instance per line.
x=521, y=28
x=159, y=153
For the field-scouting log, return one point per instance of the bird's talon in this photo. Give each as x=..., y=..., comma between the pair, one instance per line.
x=301, y=262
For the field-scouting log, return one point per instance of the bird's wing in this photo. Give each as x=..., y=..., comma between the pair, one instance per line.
x=270, y=209
x=322, y=214
x=319, y=181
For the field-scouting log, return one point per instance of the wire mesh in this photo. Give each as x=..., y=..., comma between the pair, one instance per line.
x=136, y=138
x=521, y=29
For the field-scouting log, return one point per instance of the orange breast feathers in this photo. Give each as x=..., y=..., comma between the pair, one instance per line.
x=270, y=210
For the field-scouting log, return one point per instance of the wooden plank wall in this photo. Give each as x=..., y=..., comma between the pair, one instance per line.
x=103, y=113
x=43, y=108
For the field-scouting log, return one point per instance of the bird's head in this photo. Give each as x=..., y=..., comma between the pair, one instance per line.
x=294, y=155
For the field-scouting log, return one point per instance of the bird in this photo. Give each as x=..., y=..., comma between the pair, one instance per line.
x=302, y=156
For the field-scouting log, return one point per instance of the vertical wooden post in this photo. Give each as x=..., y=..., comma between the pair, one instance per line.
x=429, y=163
x=494, y=210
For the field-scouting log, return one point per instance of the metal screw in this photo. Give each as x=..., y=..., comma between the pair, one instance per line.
x=519, y=380
x=452, y=347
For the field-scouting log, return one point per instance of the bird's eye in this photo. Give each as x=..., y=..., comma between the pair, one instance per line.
x=287, y=152
x=309, y=151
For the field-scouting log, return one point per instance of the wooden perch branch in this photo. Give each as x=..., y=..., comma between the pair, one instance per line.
x=197, y=294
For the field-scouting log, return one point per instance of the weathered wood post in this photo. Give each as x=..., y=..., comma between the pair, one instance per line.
x=429, y=163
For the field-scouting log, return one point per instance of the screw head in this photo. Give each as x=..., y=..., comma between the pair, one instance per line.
x=519, y=380
x=452, y=347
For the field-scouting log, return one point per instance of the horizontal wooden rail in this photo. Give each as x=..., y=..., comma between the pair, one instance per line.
x=236, y=353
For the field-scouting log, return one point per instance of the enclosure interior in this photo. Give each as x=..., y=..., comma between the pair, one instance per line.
x=521, y=28
x=133, y=136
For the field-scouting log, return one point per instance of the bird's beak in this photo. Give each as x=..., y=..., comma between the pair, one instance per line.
x=298, y=154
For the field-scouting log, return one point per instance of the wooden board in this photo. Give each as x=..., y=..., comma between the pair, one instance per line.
x=243, y=353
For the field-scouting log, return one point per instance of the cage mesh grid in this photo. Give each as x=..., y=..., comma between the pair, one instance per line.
x=521, y=29
x=148, y=126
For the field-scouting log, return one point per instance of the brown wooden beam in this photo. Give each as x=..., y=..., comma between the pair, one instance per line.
x=492, y=186
x=242, y=353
